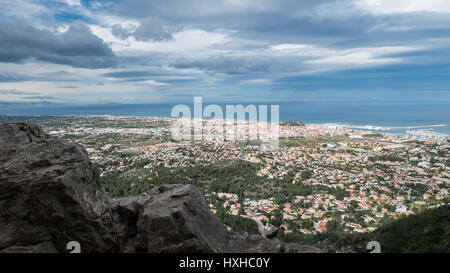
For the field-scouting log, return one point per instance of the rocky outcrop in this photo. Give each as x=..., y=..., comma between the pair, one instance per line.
x=252, y=243
x=170, y=218
x=51, y=194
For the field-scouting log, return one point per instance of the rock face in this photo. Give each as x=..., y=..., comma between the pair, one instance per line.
x=252, y=243
x=51, y=194
x=170, y=218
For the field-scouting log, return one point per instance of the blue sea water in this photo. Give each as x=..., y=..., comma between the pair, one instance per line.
x=385, y=114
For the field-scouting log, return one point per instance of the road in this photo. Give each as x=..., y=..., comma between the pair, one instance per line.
x=260, y=225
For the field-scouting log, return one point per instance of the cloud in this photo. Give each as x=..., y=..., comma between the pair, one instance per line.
x=73, y=2
x=129, y=74
x=389, y=6
x=256, y=81
x=329, y=23
x=17, y=92
x=226, y=64
x=121, y=32
x=195, y=46
x=295, y=59
x=39, y=98
x=154, y=83
x=364, y=56
x=28, y=9
x=150, y=29
x=11, y=78
x=212, y=11
x=76, y=47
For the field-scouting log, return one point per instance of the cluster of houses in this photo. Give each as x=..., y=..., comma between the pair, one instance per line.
x=378, y=174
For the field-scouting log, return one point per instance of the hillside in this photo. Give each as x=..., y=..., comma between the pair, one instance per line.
x=425, y=232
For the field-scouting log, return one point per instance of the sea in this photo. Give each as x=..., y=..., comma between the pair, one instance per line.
x=377, y=116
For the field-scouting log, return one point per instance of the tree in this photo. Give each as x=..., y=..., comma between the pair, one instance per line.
x=333, y=226
x=306, y=174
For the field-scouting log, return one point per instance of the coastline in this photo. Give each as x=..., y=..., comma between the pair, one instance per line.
x=418, y=131
x=398, y=117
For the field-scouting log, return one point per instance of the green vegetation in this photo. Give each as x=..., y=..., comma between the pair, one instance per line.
x=237, y=223
x=426, y=232
x=236, y=176
x=293, y=123
x=72, y=137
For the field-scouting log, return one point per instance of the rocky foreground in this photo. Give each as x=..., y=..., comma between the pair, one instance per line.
x=51, y=194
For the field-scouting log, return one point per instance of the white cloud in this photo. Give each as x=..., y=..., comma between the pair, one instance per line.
x=397, y=6
x=256, y=81
x=27, y=9
x=358, y=56
x=354, y=58
x=153, y=83
x=73, y=2
x=187, y=41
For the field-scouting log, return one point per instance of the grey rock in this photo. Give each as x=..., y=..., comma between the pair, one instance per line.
x=298, y=248
x=243, y=242
x=255, y=243
x=170, y=218
x=50, y=194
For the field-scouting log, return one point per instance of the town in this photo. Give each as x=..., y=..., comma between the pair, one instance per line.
x=321, y=177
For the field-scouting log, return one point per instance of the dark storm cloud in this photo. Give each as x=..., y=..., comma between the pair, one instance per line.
x=76, y=47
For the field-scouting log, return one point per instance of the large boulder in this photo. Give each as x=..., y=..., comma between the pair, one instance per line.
x=50, y=194
x=170, y=218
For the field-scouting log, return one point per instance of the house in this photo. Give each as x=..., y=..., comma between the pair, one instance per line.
x=305, y=216
x=288, y=217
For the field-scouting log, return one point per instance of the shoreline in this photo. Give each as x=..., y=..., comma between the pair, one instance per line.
x=372, y=128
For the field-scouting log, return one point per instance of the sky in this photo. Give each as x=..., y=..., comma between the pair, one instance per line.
x=133, y=51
